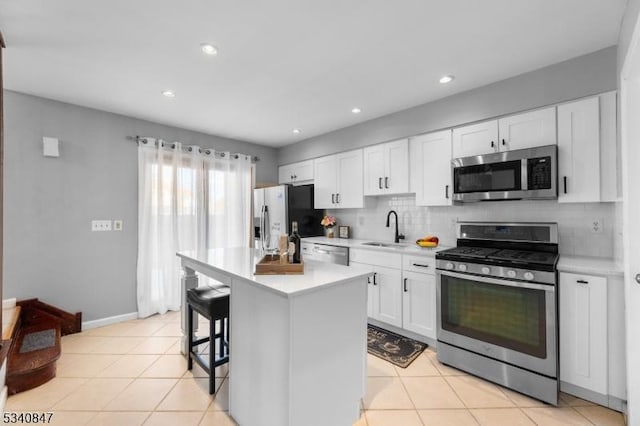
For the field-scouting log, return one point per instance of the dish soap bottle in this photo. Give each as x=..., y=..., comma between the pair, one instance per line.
x=294, y=244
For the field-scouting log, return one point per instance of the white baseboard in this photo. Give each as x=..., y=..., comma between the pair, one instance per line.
x=86, y=325
x=4, y=394
x=9, y=303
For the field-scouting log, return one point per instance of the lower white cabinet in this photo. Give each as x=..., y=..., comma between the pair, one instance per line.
x=403, y=292
x=387, y=295
x=583, y=332
x=419, y=303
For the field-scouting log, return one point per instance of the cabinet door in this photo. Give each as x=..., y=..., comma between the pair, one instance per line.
x=579, y=151
x=431, y=169
x=303, y=171
x=388, y=304
x=528, y=130
x=609, y=171
x=396, y=177
x=374, y=169
x=349, y=192
x=419, y=303
x=476, y=139
x=285, y=174
x=372, y=290
x=325, y=182
x=583, y=331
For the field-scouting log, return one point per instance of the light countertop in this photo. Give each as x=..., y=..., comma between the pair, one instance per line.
x=239, y=263
x=408, y=248
x=590, y=265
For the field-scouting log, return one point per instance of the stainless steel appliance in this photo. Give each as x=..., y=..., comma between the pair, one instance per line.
x=511, y=175
x=275, y=207
x=325, y=253
x=497, y=305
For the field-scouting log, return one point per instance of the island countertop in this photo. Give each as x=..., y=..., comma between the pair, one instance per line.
x=239, y=262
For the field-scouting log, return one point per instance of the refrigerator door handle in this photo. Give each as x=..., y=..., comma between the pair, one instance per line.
x=261, y=225
x=267, y=235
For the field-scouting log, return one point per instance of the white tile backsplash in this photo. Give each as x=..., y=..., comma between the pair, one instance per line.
x=574, y=221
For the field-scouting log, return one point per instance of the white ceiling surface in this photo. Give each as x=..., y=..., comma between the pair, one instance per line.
x=285, y=64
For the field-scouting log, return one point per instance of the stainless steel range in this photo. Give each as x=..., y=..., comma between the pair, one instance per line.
x=497, y=305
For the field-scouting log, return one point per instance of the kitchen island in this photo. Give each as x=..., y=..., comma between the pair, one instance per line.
x=297, y=342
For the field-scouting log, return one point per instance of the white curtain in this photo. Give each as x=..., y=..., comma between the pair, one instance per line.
x=189, y=199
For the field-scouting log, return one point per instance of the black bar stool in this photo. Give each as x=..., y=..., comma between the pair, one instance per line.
x=212, y=302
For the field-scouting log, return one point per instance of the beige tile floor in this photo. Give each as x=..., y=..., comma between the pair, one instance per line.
x=132, y=373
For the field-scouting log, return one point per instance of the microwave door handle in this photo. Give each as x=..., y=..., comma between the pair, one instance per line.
x=524, y=182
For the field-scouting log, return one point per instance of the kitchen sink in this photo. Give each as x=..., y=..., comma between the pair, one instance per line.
x=377, y=244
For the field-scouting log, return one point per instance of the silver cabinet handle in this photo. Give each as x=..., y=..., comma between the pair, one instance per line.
x=386, y=183
x=420, y=265
x=379, y=183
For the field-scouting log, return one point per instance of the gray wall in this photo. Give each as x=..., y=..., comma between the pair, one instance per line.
x=578, y=77
x=49, y=250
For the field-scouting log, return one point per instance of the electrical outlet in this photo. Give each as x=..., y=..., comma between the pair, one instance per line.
x=117, y=225
x=101, y=225
x=596, y=226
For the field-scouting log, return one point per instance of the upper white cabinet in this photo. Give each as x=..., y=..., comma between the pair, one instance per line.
x=583, y=332
x=296, y=173
x=529, y=129
x=431, y=168
x=386, y=168
x=526, y=130
x=338, y=181
x=587, y=150
x=476, y=139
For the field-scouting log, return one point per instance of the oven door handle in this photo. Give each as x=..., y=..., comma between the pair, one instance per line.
x=497, y=281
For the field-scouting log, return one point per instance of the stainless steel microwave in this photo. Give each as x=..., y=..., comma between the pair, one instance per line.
x=522, y=174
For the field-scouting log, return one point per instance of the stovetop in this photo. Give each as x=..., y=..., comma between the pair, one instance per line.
x=520, y=257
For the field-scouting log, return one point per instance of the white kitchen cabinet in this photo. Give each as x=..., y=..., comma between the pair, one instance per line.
x=296, y=173
x=419, y=303
x=475, y=139
x=529, y=129
x=583, y=332
x=431, y=168
x=587, y=150
x=385, y=292
x=338, y=181
x=518, y=131
x=387, y=296
x=386, y=168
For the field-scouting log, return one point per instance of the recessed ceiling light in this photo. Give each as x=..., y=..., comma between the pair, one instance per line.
x=209, y=49
x=446, y=79
x=296, y=131
x=356, y=110
x=168, y=93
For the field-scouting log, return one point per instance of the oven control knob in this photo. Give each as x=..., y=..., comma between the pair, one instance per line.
x=528, y=276
x=511, y=274
x=486, y=270
x=462, y=267
x=449, y=265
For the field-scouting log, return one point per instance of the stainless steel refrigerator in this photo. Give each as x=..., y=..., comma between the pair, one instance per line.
x=274, y=209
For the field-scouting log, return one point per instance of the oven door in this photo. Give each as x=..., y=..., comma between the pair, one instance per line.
x=511, y=321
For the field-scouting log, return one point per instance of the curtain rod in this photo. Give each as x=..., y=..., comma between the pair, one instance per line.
x=254, y=158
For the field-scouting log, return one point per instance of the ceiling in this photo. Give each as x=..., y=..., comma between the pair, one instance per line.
x=285, y=64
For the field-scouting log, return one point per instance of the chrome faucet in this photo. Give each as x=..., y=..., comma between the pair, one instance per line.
x=397, y=236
